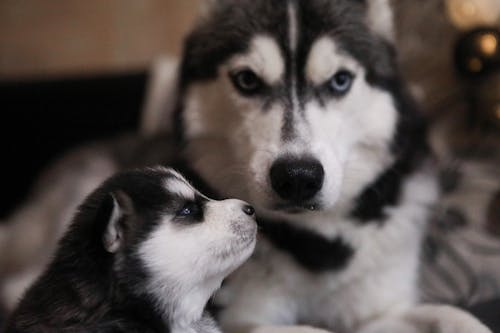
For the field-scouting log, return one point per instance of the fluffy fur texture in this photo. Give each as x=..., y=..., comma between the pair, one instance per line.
x=347, y=257
x=143, y=254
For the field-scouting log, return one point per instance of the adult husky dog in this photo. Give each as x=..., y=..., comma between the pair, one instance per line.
x=297, y=107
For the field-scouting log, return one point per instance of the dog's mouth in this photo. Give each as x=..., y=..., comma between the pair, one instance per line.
x=297, y=208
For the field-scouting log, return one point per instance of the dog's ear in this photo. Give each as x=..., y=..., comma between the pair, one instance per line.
x=380, y=18
x=207, y=6
x=122, y=208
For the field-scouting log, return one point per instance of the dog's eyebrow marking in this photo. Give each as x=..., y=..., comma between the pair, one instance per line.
x=264, y=58
x=321, y=61
x=179, y=187
x=325, y=59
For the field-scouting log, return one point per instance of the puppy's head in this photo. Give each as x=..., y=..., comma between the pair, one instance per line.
x=174, y=234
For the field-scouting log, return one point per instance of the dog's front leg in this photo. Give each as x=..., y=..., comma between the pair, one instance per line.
x=428, y=319
x=277, y=329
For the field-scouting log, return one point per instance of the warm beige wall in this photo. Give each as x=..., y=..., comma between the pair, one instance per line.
x=47, y=37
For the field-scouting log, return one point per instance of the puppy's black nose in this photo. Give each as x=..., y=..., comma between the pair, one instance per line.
x=249, y=210
x=297, y=180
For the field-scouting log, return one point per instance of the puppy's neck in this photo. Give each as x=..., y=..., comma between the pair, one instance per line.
x=205, y=325
x=183, y=304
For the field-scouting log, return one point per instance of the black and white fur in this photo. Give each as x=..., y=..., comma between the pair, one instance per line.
x=297, y=107
x=144, y=254
x=346, y=256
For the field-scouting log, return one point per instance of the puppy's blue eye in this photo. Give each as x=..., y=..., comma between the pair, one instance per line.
x=341, y=82
x=185, y=211
x=190, y=209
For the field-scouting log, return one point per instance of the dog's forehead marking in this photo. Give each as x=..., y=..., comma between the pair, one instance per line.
x=264, y=57
x=293, y=33
x=324, y=59
x=293, y=29
x=288, y=128
x=180, y=187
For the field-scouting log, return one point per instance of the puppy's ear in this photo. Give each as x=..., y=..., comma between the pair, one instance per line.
x=379, y=18
x=114, y=233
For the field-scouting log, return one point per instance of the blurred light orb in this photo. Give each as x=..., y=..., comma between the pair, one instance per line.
x=467, y=14
x=475, y=65
x=488, y=44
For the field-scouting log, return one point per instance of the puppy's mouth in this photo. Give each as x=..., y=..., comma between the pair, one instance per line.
x=245, y=235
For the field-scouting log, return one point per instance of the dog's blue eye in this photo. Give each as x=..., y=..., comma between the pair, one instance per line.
x=246, y=81
x=341, y=82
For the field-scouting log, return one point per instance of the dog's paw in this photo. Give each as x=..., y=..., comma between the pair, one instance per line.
x=287, y=329
x=389, y=325
x=427, y=319
x=445, y=319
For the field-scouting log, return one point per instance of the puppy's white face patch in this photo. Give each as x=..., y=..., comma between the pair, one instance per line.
x=192, y=251
x=186, y=261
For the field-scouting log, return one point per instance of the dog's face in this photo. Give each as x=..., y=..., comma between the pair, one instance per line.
x=179, y=236
x=294, y=95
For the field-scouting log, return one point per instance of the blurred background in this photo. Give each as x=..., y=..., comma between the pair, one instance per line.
x=73, y=71
x=76, y=71
x=72, y=37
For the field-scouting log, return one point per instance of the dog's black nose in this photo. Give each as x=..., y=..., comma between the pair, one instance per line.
x=249, y=210
x=297, y=180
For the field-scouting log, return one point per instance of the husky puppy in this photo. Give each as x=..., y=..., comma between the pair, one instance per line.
x=297, y=107
x=144, y=254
